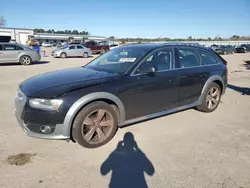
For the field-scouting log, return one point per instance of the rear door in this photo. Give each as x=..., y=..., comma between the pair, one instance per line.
x=72, y=51
x=192, y=75
x=11, y=53
x=80, y=50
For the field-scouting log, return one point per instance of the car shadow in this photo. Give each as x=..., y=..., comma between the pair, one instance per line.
x=128, y=165
x=18, y=64
x=242, y=90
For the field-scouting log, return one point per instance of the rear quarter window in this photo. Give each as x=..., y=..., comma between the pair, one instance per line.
x=207, y=58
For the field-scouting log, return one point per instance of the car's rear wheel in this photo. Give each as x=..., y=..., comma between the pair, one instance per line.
x=103, y=51
x=95, y=125
x=211, y=98
x=25, y=60
x=85, y=55
x=63, y=55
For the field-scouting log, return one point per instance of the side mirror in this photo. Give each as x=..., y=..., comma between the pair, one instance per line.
x=148, y=70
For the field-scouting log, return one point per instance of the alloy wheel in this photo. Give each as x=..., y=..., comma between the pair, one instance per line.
x=25, y=60
x=97, y=126
x=213, y=97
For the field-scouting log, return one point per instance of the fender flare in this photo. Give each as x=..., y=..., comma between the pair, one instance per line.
x=74, y=109
x=210, y=80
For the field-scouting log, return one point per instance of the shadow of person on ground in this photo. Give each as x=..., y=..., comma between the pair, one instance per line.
x=128, y=164
x=18, y=64
x=242, y=90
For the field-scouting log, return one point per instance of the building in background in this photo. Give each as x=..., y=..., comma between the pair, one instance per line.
x=20, y=35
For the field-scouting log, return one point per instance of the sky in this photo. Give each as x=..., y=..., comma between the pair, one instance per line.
x=133, y=18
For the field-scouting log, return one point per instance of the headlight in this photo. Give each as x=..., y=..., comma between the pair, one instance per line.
x=45, y=104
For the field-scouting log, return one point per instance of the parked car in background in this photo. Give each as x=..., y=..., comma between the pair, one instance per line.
x=47, y=44
x=126, y=85
x=71, y=51
x=14, y=52
x=243, y=48
x=97, y=47
x=240, y=49
x=224, y=49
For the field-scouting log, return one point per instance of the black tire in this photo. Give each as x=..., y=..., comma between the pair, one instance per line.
x=204, y=98
x=85, y=55
x=81, y=130
x=25, y=60
x=63, y=55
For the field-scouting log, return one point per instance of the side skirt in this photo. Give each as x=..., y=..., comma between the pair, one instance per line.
x=158, y=114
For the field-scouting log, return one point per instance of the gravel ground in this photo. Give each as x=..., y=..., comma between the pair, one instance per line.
x=185, y=149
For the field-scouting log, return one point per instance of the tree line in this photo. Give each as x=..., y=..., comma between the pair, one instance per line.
x=75, y=32
x=190, y=38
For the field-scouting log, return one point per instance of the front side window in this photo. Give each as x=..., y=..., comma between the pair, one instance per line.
x=161, y=59
x=72, y=47
x=207, y=58
x=79, y=47
x=187, y=58
x=118, y=60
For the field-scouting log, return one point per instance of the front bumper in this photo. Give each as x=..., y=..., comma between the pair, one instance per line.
x=55, y=54
x=60, y=132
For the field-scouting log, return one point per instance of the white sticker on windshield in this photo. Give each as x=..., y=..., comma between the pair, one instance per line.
x=132, y=59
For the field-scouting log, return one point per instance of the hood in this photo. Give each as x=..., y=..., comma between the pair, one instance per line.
x=53, y=84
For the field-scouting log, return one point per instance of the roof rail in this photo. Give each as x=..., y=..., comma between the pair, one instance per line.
x=184, y=43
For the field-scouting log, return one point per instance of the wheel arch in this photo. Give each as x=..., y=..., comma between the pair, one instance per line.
x=87, y=99
x=215, y=78
x=24, y=54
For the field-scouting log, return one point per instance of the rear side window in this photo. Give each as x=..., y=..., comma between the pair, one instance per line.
x=79, y=47
x=207, y=58
x=1, y=47
x=11, y=47
x=187, y=58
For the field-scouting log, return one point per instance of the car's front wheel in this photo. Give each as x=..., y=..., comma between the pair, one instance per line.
x=25, y=60
x=63, y=55
x=95, y=125
x=211, y=98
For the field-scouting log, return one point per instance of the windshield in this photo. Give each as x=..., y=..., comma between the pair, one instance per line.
x=64, y=47
x=118, y=60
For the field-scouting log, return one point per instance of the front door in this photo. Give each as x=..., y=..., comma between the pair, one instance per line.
x=1, y=54
x=148, y=93
x=192, y=75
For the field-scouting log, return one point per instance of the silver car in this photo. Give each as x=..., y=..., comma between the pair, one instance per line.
x=14, y=52
x=72, y=51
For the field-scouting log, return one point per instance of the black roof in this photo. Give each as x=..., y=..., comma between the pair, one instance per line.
x=151, y=46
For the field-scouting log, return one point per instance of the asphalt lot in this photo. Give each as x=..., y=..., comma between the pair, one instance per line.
x=185, y=149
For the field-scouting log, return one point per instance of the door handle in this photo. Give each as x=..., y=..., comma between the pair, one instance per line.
x=1, y=52
x=202, y=75
x=182, y=77
x=172, y=80
x=18, y=52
